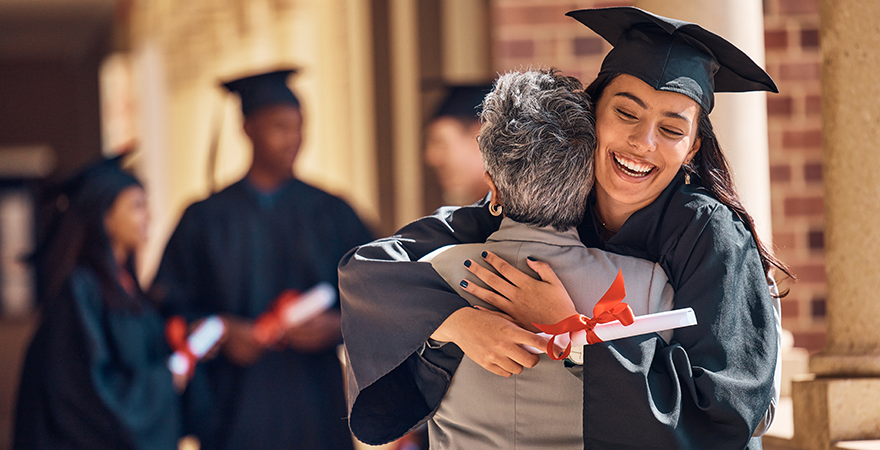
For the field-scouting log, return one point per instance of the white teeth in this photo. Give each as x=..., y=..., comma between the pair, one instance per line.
x=632, y=166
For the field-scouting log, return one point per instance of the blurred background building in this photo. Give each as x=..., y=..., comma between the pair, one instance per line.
x=82, y=77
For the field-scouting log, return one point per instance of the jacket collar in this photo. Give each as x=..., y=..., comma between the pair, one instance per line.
x=515, y=231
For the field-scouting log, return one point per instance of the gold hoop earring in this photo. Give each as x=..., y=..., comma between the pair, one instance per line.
x=494, y=209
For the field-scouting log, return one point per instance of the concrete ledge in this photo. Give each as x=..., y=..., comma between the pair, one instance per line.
x=775, y=443
x=846, y=365
x=858, y=445
x=830, y=412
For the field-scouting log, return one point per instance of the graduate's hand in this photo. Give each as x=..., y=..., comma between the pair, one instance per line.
x=240, y=347
x=491, y=339
x=524, y=298
x=179, y=381
x=317, y=334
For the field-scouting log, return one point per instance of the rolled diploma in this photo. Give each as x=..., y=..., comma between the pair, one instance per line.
x=649, y=323
x=199, y=342
x=310, y=304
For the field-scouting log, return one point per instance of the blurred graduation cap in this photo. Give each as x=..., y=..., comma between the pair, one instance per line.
x=463, y=102
x=93, y=188
x=261, y=90
x=672, y=55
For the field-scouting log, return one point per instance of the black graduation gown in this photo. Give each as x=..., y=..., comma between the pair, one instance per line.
x=96, y=377
x=708, y=388
x=234, y=253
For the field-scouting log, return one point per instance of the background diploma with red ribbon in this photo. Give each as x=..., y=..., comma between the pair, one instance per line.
x=290, y=309
x=612, y=319
x=189, y=350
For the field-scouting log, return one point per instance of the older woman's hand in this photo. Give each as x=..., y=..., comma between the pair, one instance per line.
x=524, y=298
x=491, y=339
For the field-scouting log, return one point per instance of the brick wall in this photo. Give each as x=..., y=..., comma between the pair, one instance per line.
x=536, y=33
x=791, y=39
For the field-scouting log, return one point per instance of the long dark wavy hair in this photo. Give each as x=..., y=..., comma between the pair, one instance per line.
x=709, y=168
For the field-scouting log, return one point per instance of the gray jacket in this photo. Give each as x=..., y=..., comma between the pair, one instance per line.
x=541, y=407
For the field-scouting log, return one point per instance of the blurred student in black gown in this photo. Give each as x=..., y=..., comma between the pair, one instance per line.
x=233, y=254
x=95, y=375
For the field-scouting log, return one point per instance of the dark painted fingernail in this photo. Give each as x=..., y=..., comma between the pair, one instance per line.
x=484, y=254
x=467, y=263
x=463, y=283
x=531, y=259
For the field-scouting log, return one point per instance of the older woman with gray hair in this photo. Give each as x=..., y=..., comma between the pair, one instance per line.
x=537, y=144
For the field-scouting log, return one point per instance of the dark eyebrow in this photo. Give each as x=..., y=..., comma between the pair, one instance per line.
x=642, y=104
x=633, y=98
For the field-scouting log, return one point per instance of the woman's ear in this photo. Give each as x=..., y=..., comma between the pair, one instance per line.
x=248, y=128
x=495, y=197
x=693, y=152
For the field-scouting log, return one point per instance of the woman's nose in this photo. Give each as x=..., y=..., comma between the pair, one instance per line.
x=643, y=137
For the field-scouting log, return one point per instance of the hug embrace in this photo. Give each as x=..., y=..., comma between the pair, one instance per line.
x=625, y=174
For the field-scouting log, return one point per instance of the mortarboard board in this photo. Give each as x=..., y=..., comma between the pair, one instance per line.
x=672, y=55
x=266, y=89
x=464, y=101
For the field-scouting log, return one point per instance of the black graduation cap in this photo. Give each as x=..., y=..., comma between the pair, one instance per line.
x=464, y=101
x=94, y=188
x=265, y=89
x=672, y=55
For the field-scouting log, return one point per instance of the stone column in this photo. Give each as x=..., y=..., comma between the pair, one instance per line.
x=403, y=19
x=843, y=402
x=740, y=119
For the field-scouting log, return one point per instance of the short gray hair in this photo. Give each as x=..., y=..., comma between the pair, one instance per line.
x=537, y=142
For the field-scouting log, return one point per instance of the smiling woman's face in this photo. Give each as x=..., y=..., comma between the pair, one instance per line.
x=644, y=137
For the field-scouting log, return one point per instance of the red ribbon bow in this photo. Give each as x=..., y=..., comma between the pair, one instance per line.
x=609, y=308
x=175, y=334
x=269, y=326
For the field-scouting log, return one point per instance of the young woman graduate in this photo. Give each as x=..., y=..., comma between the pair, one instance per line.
x=95, y=375
x=663, y=193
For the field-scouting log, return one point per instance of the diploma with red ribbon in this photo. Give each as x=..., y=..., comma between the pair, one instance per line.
x=612, y=319
x=290, y=309
x=189, y=350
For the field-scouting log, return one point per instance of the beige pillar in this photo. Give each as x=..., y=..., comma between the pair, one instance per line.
x=406, y=106
x=466, y=41
x=740, y=119
x=850, y=40
x=843, y=402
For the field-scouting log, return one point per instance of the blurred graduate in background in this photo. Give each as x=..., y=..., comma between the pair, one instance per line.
x=95, y=375
x=451, y=145
x=233, y=254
